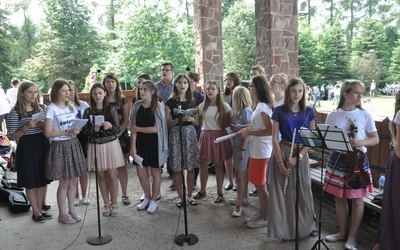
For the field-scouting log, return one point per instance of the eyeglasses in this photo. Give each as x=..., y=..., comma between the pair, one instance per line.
x=166, y=70
x=273, y=82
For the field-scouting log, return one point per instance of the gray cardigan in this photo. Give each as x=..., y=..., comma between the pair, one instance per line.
x=162, y=132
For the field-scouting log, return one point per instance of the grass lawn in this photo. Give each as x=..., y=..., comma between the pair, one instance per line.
x=380, y=107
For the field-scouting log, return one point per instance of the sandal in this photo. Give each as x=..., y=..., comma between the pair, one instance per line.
x=114, y=211
x=192, y=202
x=126, y=200
x=106, y=211
x=314, y=233
x=199, y=195
x=219, y=198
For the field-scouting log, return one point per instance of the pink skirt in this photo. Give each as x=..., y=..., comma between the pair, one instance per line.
x=109, y=155
x=214, y=152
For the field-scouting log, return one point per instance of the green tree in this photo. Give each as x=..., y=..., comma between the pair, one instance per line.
x=308, y=61
x=239, y=39
x=150, y=37
x=336, y=56
x=69, y=45
x=395, y=64
x=6, y=41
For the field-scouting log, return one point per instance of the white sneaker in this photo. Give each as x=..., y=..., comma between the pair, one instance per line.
x=245, y=201
x=255, y=217
x=257, y=223
x=237, y=212
x=143, y=205
x=77, y=202
x=152, y=207
x=85, y=201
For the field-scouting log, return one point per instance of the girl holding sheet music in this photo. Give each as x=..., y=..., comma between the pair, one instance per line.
x=149, y=141
x=287, y=120
x=349, y=114
x=215, y=116
x=108, y=150
x=259, y=135
x=65, y=160
x=241, y=117
x=84, y=179
x=32, y=147
x=182, y=98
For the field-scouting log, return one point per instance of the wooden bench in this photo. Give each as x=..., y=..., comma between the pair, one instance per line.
x=316, y=178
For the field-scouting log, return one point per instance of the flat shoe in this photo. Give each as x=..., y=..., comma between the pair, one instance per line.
x=333, y=238
x=193, y=202
x=47, y=216
x=349, y=246
x=228, y=186
x=39, y=219
x=219, y=198
x=46, y=207
x=179, y=203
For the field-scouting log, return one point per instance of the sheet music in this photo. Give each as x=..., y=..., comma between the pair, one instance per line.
x=138, y=160
x=78, y=123
x=335, y=137
x=224, y=138
x=38, y=116
x=99, y=119
x=310, y=137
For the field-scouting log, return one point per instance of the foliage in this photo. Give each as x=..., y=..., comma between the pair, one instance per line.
x=239, y=39
x=68, y=47
x=395, y=65
x=6, y=41
x=149, y=38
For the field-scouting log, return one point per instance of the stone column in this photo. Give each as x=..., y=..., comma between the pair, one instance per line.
x=277, y=36
x=208, y=39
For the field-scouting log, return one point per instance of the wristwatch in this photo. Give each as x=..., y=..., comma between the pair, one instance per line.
x=301, y=156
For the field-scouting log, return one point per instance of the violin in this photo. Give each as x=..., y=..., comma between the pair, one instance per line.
x=357, y=176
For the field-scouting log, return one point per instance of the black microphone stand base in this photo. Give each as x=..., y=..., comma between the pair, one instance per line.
x=317, y=245
x=99, y=240
x=191, y=239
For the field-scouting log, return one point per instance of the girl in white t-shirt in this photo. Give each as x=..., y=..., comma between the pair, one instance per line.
x=215, y=116
x=65, y=160
x=260, y=144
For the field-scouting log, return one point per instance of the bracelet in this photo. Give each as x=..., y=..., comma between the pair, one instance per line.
x=279, y=162
x=243, y=149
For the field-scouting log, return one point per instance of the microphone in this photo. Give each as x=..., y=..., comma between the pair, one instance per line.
x=178, y=111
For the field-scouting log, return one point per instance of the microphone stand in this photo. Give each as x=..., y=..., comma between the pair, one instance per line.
x=97, y=240
x=191, y=239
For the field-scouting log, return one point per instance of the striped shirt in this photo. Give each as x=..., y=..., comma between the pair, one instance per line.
x=15, y=123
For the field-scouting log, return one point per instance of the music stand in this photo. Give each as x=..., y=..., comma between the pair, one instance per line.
x=324, y=137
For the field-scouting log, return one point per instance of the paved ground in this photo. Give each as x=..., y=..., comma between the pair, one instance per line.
x=133, y=229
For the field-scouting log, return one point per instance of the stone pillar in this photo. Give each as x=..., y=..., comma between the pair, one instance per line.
x=208, y=40
x=277, y=36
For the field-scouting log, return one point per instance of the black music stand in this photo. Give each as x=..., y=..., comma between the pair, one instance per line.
x=324, y=137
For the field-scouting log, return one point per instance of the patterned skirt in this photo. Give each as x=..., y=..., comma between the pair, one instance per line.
x=65, y=160
x=336, y=171
x=191, y=155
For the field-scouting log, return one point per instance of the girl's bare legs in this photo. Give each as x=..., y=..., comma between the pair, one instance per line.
x=71, y=194
x=62, y=197
x=263, y=197
x=241, y=191
x=189, y=183
x=156, y=175
x=229, y=171
x=203, y=177
x=178, y=184
x=219, y=172
x=35, y=197
x=144, y=176
x=357, y=213
x=342, y=212
x=123, y=179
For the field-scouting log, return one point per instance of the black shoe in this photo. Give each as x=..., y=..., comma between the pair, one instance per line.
x=234, y=188
x=46, y=207
x=47, y=216
x=253, y=193
x=228, y=186
x=39, y=219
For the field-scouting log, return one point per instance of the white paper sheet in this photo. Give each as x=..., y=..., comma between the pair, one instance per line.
x=225, y=137
x=38, y=116
x=99, y=119
x=78, y=123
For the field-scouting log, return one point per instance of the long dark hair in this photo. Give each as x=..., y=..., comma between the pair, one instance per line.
x=236, y=82
x=118, y=91
x=188, y=94
x=263, y=90
x=154, y=96
x=106, y=106
x=288, y=102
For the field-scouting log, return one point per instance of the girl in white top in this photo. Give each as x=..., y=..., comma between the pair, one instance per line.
x=260, y=144
x=80, y=106
x=65, y=160
x=215, y=116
